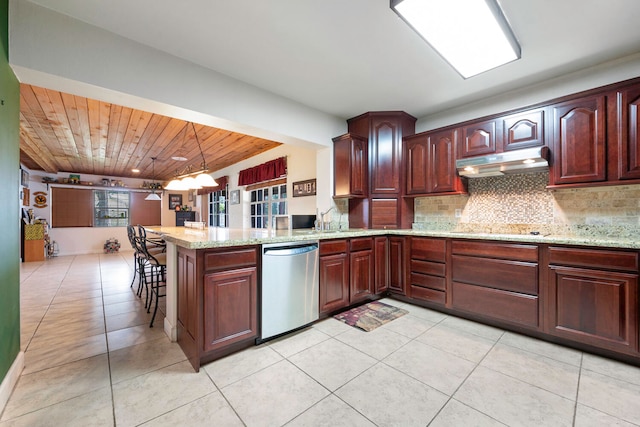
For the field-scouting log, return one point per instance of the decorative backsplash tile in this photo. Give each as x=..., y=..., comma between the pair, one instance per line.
x=521, y=203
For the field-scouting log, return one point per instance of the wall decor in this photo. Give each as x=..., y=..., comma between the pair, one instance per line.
x=304, y=188
x=40, y=199
x=24, y=178
x=235, y=197
x=175, y=200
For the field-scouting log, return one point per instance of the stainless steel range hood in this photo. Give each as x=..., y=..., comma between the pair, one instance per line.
x=527, y=160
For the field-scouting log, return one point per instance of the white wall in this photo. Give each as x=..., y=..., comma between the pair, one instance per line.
x=301, y=166
x=85, y=240
x=589, y=78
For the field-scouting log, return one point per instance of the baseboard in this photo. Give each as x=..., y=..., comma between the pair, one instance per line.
x=10, y=380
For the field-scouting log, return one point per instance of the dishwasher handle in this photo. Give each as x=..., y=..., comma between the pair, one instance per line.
x=290, y=250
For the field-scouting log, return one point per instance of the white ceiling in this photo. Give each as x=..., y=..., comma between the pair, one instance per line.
x=346, y=57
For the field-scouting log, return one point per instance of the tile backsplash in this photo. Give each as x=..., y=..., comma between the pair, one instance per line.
x=521, y=203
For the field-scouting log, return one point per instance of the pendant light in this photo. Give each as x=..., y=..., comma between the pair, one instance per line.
x=186, y=181
x=153, y=195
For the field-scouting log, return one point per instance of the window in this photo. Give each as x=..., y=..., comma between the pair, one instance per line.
x=111, y=208
x=219, y=208
x=266, y=204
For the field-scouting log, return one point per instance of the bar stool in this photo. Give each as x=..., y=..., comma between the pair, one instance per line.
x=156, y=260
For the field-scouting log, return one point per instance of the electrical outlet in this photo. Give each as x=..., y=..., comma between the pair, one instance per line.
x=458, y=213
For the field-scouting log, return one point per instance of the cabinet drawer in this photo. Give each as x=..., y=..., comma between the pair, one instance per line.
x=503, y=305
x=426, y=294
x=508, y=275
x=361, y=244
x=427, y=267
x=428, y=249
x=597, y=258
x=328, y=247
x=428, y=281
x=227, y=259
x=512, y=251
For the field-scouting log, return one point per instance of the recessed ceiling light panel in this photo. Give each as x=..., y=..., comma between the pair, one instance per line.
x=471, y=35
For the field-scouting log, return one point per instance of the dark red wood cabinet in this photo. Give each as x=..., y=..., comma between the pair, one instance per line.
x=496, y=280
x=579, y=140
x=427, y=269
x=479, y=138
x=217, y=301
x=384, y=207
x=350, y=162
x=593, y=297
x=523, y=130
x=624, y=133
x=361, y=269
x=431, y=163
x=334, y=275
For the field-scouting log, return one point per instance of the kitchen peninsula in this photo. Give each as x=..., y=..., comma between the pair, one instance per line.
x=578, y=291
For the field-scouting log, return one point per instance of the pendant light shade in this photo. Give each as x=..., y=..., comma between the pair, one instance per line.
x=188, y=181
x=206, y=180
x=153, y=195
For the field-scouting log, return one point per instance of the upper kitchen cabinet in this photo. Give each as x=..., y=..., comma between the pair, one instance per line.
x=480, y=138
x=430, y=163
x=384, y=131
x=505, y=133
x=350, y=160
x=579, y=140
x=624, y=133
x=523, y=130
x=383, y=207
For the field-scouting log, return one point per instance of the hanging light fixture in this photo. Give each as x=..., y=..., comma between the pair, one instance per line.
x=189, y=179
x=153, y=195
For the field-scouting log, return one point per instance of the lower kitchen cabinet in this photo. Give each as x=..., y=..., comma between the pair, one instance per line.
x=592, y=303
x=334, y=275
x=361, y=269
x=496, y=280
x=230, y=301
x=381, y=264
x=427, y=269
x=217, y=301
x=397, y=264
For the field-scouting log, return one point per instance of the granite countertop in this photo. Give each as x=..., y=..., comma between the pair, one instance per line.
x=212, y=237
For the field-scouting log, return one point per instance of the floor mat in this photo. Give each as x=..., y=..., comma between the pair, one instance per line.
x=369, y=316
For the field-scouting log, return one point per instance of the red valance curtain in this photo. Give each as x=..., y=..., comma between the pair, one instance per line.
x=222, y=182
x=267, y=171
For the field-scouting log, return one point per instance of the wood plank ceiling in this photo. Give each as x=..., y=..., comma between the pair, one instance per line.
x=60, y=132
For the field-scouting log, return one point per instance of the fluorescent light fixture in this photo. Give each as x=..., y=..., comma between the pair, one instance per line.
x=473, y=36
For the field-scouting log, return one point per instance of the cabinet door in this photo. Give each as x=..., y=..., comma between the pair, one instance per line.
x=579, y=141
x=523, y=130
x=594, y=307
x=334, y=282
x=230, y=307
x=361, y=275
x=386, y=156
x=187, y=294
x=350, y=166
x=626, y=164
x=442, y=162
x=479, y=138
x=397, y=265
x=416, y=152
x=381, y=245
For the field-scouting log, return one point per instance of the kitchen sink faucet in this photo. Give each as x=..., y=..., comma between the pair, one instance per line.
x=322, y=214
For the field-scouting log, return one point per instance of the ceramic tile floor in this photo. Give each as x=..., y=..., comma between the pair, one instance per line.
x=92, y=360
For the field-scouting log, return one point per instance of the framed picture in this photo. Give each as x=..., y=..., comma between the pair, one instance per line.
x=235, y=197
x=175, y=200
x=304, y=188
x=191, y=195
x=24, y=178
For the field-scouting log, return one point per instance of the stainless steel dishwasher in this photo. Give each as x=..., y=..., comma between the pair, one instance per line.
x=290, y=289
